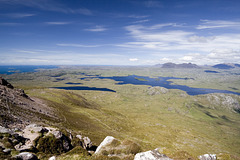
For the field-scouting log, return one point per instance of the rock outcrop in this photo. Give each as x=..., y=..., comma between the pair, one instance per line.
x=34, y=138
x=51, y=141
x=112, y=147
x=208, y=157
x=157, y=90
x=3, y=82
x=227, y=101
x=86, y=143
x=151, y=155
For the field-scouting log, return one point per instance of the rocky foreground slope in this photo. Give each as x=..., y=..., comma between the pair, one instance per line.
x=19, y=110
x=35, y=142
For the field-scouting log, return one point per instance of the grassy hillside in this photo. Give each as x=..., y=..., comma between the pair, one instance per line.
x=180, y=124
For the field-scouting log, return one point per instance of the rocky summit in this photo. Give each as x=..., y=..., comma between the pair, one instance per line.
x=3, y=82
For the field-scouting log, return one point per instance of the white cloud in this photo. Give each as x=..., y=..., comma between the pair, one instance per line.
x=18, y=15
x=47, y=5
x=77, y=45
x=97, y=29
x=142, y=33
x=214, y=57
x=159, y=26
x=178, y=40
x=166, y=59
x=216, y=48
x=60, y=57
x=200, y=39
x=142, y=21
x=152, y=4
x=187, y=58
x=57, y=23
x=27, y=51
x=137, y=16
x=83, y=11
x=10, y=24
x=211, y=24
x=133, y=59
x=224, y=54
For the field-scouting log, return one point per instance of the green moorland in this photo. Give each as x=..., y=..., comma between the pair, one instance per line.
x=183, y=126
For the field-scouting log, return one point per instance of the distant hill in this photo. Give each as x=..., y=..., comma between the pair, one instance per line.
x=183, y=65
x=169, y=65
x=237, y=65
x=226, y=66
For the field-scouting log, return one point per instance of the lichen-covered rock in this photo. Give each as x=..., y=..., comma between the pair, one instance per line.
x=66, y=143
x=151, y=155
x=208, y=157
x=26, y=156
x=53, y=144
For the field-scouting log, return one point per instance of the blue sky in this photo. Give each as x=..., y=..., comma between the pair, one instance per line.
x=119, y=32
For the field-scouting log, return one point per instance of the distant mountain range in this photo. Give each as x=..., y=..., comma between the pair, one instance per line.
x=183, y=65
x=191, y=65
x=226, y=66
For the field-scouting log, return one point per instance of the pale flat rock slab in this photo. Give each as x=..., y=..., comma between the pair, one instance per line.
x=26, y=156
x=151, y=155
x=106, y=141
x=52, y=158
x=32, y=132
x=27, y=146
